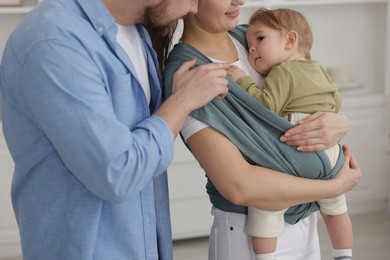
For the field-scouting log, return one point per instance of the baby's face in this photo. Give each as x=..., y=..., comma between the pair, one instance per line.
x=266, y=47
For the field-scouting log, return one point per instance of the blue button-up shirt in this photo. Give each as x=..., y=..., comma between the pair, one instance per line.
x=90, y=158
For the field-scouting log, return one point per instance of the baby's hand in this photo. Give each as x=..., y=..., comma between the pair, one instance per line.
x=235, y=72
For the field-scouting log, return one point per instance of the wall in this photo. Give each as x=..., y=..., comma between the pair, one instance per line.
x=355, y=35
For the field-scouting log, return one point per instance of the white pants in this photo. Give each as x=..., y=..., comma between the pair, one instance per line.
x=228, y=240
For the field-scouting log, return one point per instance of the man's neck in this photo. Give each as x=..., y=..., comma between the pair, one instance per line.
x=126, y=12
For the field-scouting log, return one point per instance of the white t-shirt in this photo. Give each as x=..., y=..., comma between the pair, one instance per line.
x=130, y=40
x=191, y=125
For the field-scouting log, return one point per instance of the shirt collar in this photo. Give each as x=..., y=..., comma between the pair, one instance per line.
x=98, y=14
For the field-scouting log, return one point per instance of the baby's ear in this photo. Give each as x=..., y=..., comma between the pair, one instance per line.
x=291, y=39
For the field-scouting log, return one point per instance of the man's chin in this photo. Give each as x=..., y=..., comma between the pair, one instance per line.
x=154, y=17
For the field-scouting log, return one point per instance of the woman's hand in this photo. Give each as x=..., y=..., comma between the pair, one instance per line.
x=317, y=132
x=245, y=184
x=350, y=173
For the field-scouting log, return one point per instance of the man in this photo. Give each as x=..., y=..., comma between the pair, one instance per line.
x=90, y=138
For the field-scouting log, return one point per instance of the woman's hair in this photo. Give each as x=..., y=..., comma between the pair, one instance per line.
x=288, y=20
x=162, y=40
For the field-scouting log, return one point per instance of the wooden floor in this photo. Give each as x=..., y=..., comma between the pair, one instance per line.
x=371, y=240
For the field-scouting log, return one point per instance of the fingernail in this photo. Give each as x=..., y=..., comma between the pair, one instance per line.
x=283, y=138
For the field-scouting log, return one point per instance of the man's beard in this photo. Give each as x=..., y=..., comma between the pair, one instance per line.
x=155, y=18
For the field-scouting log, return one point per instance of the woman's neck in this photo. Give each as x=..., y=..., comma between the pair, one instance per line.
x=214, y=45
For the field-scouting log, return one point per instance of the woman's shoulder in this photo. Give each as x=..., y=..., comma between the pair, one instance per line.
x=241, y=28
x=182, y=52
x=239, y=33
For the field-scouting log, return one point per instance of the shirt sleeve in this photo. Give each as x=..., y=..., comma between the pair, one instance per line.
x=277, y=90
x=338, y=100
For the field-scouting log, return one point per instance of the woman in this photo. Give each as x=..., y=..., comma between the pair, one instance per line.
x=232, y=179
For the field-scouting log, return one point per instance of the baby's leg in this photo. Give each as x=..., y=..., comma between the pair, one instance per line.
x=339, y=226
x=340, y=230
x=264, y=227
x=264, y=248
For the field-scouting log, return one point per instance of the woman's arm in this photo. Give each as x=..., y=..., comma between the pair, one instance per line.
x=244, y=184
x=317, y=132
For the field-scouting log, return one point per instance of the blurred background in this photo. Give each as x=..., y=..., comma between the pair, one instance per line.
x=352, y=41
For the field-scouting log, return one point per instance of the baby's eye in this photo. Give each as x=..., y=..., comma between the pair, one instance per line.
x=260, y=38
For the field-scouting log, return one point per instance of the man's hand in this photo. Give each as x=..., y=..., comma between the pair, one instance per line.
x=198, y=86
x=192, y=89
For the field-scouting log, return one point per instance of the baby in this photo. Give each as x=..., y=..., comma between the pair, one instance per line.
x=279, y=43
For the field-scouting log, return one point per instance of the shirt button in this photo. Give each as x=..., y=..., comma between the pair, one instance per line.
x=100, y=29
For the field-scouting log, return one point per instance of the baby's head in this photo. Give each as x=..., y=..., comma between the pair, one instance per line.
x=278, y=35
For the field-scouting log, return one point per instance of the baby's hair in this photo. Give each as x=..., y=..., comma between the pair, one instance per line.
x=288, y=20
